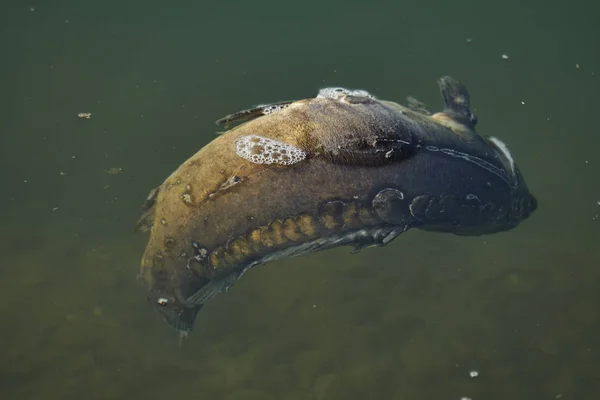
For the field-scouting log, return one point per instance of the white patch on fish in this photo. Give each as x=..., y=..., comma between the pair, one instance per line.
x=504, y=149
x=263, y=150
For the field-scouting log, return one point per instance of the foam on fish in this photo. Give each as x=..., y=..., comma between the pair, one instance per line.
x=263, y=150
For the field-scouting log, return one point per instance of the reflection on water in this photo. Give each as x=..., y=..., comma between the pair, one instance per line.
x=408, y=321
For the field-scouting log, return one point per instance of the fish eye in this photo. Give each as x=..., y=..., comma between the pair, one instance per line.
x=162, y=301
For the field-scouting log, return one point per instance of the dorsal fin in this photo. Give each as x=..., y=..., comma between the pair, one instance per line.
x=457, y=101
x=253, y=113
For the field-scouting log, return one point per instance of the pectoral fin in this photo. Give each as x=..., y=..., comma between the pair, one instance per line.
x=457, y=101
x=146, y=221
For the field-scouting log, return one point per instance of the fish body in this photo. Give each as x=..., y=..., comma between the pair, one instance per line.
x=343, y=168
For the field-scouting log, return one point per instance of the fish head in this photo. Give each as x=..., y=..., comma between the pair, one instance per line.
x=180, y=317
x=523, y=203
x=169, y=282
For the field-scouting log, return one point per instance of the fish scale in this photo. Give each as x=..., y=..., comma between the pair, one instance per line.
x=343, y=168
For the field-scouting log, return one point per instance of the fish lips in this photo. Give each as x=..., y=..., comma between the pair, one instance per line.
x=527, y=206
x=181, y=318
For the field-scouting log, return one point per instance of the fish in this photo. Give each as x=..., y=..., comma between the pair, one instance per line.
x=343, y=168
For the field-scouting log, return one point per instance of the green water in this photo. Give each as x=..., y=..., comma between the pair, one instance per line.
x=408, y=321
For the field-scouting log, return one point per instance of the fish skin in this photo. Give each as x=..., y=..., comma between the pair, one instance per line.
x=372, y=170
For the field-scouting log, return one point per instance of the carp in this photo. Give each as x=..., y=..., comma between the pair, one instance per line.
x=295, y=177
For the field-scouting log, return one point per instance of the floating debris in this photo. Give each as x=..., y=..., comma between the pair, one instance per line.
x=85, y=115
x=114, y=170
x=505, y=56
x=473, y=374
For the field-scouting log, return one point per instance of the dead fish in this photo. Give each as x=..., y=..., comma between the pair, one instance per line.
x=343, y=168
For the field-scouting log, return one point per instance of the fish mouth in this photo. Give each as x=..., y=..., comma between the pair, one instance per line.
x=531, y=204
x=180, y=318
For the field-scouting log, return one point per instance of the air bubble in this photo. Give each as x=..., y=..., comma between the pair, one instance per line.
x=263, y=150
x=270, y=109
x=338, y=92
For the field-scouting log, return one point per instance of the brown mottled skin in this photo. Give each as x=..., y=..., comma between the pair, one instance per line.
x=219, y=213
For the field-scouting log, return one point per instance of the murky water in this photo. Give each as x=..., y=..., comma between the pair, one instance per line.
x=413, y=320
